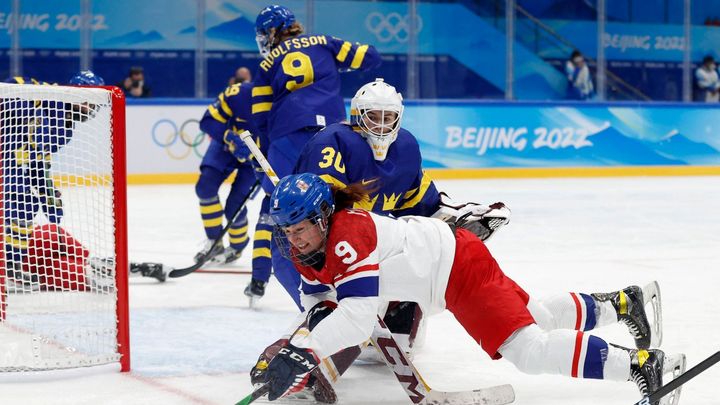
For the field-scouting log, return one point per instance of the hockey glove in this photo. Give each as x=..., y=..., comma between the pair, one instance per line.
x=289, y=371
x=257, y=374
x=236, y=146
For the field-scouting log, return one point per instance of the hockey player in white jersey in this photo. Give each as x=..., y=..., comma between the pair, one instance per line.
x=361, y=260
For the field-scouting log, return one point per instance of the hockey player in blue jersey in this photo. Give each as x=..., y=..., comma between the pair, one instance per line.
x=32, y=131
x=224, y=120
x=296, y=93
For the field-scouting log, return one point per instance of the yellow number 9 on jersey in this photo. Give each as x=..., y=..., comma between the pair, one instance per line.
x=298, y=64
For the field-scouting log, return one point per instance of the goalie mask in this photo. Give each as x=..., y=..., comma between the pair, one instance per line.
x=269, y=23
x=297, y=198
x=377, y=110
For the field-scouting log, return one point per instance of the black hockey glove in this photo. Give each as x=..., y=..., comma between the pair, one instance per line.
x=289, y=371
x=257, y=374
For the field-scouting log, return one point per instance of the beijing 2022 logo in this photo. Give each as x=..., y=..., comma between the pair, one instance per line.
x=180, y=141
x=391, y=26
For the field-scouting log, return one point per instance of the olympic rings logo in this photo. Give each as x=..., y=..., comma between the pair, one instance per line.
x=166, y=134
x=392, y=26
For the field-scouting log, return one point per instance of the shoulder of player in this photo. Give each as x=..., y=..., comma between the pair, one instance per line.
x=351, y=219
x=331, y=135
x=406, y=139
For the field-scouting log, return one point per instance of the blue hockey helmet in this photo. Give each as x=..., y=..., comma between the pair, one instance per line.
x=299, y=197
x=86, y=78
x=296, y=198
x=274, y=16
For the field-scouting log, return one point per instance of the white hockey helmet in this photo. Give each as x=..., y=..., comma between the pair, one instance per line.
x=377, y=109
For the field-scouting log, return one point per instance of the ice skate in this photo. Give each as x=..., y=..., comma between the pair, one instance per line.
x=206, y=254
x=651, y=295
x=630, y=309
x=647, y=368
x=255, y=290
x=227, y=256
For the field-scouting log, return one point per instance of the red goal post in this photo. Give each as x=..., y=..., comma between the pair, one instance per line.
x=63, y=210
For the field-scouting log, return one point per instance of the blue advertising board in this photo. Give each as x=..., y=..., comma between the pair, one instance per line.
x=482, y=135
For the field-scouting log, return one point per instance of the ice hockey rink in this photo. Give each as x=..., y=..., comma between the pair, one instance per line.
x=193, y=339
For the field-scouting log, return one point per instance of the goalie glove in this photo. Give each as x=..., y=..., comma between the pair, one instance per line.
x=290, y=370
x=482, y=220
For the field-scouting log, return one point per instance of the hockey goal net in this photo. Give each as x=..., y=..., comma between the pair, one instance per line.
x=63, y=266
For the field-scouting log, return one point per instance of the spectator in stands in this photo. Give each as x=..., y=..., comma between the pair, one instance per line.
x=580, y=85
x=707, y=82
x=134, y=85
x=242, y=75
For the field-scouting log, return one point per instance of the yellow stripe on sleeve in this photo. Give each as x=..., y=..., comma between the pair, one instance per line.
x=216, y=114
x=344, y=49
x=261, y=107
x=225, y=107
x=359, y=56
x=262, y=91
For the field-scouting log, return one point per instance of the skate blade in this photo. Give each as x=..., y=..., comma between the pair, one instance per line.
x=651, y=295
x=674, y=364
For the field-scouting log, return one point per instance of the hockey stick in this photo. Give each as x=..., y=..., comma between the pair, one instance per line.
x=680, y=380
x=415, y=386
x=204, y=259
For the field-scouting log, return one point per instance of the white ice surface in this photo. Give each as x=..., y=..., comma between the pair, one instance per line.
x=193, y=340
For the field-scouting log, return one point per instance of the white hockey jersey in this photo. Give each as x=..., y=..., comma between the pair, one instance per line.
x=371, y=260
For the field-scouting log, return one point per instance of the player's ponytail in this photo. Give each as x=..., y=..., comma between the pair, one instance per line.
x=346, y=197
x=292, y=31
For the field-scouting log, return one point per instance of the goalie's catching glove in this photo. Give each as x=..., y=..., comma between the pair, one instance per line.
x=482, y=220
x=289, y=371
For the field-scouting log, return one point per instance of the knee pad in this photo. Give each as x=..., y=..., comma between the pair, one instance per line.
x=209, y=183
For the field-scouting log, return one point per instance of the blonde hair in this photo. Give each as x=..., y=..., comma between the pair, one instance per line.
x=292, y=31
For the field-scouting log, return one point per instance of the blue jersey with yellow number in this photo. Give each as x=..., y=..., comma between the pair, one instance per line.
x=341, y=156
x=231, y=112
x=298, y=84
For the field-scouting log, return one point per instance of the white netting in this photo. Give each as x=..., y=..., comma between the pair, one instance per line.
x=57, y=311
